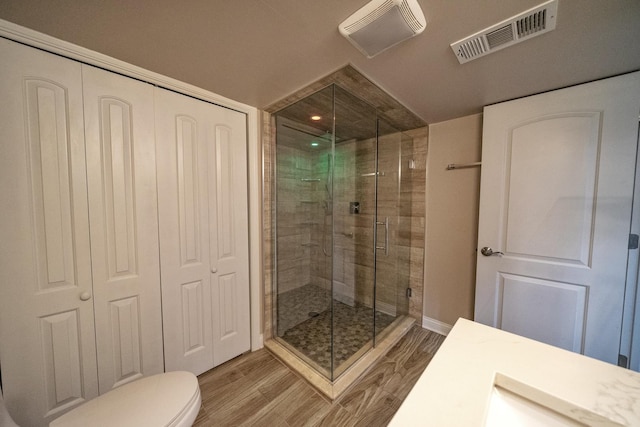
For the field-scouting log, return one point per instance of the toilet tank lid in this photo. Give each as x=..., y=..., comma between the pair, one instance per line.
x=155, y=401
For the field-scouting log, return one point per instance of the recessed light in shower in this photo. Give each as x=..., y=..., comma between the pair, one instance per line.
x=316, y=118
x=314, y=144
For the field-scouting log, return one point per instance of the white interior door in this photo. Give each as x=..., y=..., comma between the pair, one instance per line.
x=47, y=338
x=202, y=194
x=556, y=195
x=121, y=175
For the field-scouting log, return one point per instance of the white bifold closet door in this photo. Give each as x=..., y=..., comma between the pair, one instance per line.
x=79, y=271
x=47, y=337
x=123, y=213
x=202, y=196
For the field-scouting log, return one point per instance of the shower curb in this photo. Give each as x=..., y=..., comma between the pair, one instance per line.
x=335, y=389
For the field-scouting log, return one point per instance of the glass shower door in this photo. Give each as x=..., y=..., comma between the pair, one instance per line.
x=391, y=274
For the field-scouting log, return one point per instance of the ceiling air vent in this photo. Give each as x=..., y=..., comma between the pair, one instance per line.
x=523, y=26
x=499, y=37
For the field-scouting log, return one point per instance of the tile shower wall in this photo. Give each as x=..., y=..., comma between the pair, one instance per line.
x=353, y=274
x=268, y=209
x=348, y=233
x=319, y=215
x=294, y=215
x=303, y=224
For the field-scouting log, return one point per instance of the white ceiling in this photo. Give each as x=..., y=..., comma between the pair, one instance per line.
x=259, y=51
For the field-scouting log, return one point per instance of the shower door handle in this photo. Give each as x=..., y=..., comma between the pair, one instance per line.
x=386, y=235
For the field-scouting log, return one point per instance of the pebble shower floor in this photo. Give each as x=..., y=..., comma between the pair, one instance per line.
x=353, y=326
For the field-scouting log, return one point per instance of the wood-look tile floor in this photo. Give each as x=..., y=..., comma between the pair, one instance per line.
x=256, y=389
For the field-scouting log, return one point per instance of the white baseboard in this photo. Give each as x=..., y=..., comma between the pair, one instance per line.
x=257, y=342
x=436, y=326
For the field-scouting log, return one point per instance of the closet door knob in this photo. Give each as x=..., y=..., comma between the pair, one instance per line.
x=85, y=296
x=214, y=270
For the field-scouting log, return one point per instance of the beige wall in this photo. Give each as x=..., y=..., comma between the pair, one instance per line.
x=452, y=198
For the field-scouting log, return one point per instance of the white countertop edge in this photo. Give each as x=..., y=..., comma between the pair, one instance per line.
x=456, y=387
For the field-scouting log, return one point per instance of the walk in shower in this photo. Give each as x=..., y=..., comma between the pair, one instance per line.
x=341, y=268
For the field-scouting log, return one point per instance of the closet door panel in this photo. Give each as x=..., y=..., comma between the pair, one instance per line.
x=47, y=341
x=124, y=230
x=202, y=184
x=229, y=236
x=183, y=142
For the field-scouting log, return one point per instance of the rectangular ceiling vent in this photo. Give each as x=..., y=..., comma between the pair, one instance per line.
x=516, y=29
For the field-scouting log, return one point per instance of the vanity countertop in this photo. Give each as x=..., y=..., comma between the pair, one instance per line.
x=477, y=364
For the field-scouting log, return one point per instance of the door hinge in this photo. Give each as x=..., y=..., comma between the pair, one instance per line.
x=623, y=361
x=633, y=241
x=408, y=292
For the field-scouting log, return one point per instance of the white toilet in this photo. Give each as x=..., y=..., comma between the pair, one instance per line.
x=171, y=399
